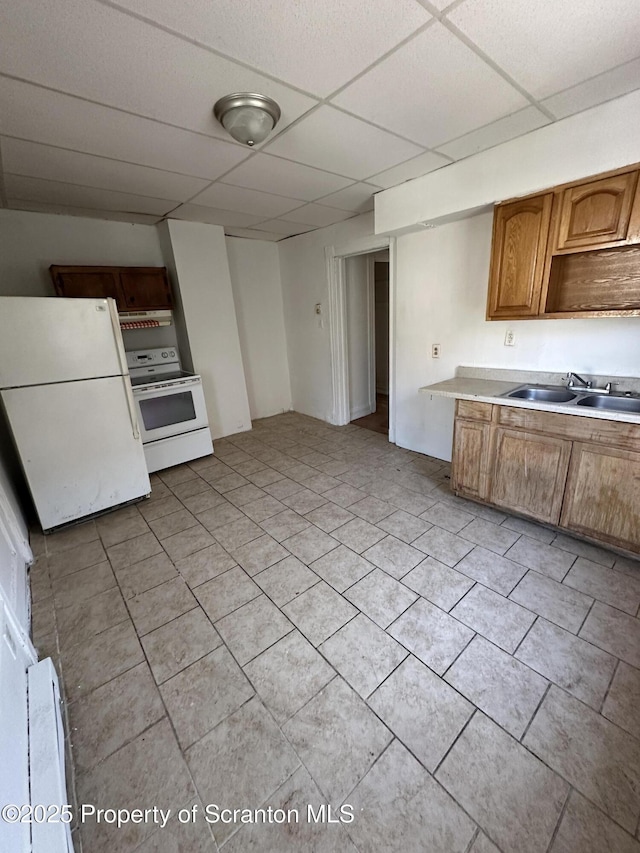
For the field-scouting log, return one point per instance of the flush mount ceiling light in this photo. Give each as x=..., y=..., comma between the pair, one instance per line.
x=248, y=117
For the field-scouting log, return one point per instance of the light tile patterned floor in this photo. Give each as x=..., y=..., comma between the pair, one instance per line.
x=312, y=617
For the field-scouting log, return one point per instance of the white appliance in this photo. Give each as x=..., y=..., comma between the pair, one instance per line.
x=67, y=397
x=170, y=407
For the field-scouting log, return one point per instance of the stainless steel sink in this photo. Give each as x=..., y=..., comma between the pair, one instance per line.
x=542, y=393
x=611, y=404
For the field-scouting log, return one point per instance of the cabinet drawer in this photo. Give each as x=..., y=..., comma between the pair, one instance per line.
x=573, y=427
x=474, y=411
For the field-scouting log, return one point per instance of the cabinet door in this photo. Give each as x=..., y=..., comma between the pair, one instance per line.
x=603, y=495
x=145, y=288
x=471, y=454
x=520, y=234
x=529, y=473
x=94, y=282
x=596, y=212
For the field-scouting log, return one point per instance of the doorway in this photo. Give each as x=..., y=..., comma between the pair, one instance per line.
x=367, y=333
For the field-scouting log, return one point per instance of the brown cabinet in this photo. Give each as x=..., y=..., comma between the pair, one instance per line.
x=520, y=235
x=133, y=288
x=470, y=471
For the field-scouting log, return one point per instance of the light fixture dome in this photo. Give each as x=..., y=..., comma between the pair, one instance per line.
x=247, y=116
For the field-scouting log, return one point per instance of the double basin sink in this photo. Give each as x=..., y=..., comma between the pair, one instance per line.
x=583, y=397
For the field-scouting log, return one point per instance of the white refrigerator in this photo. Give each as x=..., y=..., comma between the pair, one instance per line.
x=67, y=399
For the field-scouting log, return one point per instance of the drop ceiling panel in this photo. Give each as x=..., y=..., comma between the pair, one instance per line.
x=31, y=112
x=199, y=213
x=499, y=131
x=318, y=215
x=612, y=84
x=432, y=89
x=357, y=198
x=225, y=197
x=53, y=192
x=100, y=53
x=283, y=228
x=414, y=168
x=283, y=177
x=332, y=140
x=250, y=234
x=59, y=164
x=85, y=212
x=549, y=45
x=317, y=46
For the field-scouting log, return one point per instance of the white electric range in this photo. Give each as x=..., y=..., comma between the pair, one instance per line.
x=170, y=406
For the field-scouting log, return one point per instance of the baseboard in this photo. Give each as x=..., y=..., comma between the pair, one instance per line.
x=360, y=412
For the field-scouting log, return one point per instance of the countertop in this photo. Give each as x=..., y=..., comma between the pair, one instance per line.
x=486, y=385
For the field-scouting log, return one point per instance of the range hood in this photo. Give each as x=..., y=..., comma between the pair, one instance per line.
x=145, y=319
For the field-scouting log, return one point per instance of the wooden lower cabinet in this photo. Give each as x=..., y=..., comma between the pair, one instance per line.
x=603, y=495
x=470, y=470
x=529, y=472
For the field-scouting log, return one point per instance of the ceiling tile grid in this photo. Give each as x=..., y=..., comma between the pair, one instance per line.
x=106, y=105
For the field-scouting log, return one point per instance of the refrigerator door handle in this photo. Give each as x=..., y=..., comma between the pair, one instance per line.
x=124, y=368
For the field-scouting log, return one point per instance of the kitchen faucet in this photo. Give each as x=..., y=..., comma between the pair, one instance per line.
x=586, y=384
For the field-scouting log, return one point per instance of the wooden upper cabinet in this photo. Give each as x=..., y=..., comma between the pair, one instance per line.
x=595, y=212
x=133, y=288
x=518, y=254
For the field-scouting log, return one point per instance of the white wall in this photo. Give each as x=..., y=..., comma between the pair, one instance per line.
x=303, y=268
x=442, y=277
x=31, y=242
x=358, y=335
x=257, y=293
x=197, y=257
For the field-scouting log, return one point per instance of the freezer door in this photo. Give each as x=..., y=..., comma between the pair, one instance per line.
x=77, y=445
x=49, y=339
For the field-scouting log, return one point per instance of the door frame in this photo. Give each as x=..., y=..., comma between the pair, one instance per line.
x=335, y=257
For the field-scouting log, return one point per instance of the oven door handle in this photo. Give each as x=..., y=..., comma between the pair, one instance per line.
x=124, y=368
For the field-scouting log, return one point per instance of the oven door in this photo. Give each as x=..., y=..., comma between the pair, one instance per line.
x=170, y=408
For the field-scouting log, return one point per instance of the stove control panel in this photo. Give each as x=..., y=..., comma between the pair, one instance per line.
x=152, y=357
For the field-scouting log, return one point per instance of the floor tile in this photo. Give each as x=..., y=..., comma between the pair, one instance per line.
x=263, y=508
x=438, y=583
x=237, y=533
x=252, y=628
x=363, y=654
x=431, y=635
x=150, y=769
x=283, y=488
x=558, y=603
x=304, y=501
x=84, y=620
x=161, y=604
x=203, y=501
x=447, y=517
x=400, y=808
x=344, y=495
x=203, y=694
x=594, y=755
x=498, y=573
x=602, y=583
x=584, y=549
x=483, y=845
x=505, y=689
x=443, y=546
x=264, y=477
x=80, y=586
x=514, y=797
x=613, y=631
x=395, y=557
x=381, y=597
x=173, y=646
x=189, y=488
x=100, y=659
x=115, y=528
x=204, y=565
x=319, y=612
x=244, y=495
x=422, y=710
x=271, y=671
x=286, y=580
x=226, y=593
x=491, y=536
x=627, y=566
x=145, y=575
x=342, y=567
x=310, y=544
x=530, y=529
x=329, y=516
x=338, y=739
x=65, y=540
x=177, y=474
x=176, y=522
x=194, y=836
x=623, y=700
x=219, y=516
x=585, y=829
x=241, y=762
x=493, y=616
x=259, y=554
x=358, y=534
x=284, y=525
x=321, y=483
x=404, y=526
x=133, y=550
x=545, y=559
x=112, y=715
x=76, y=558
x=573, y=664
x=230, y=482
x=371, y=509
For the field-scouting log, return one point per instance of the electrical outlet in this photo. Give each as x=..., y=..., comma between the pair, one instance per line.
x=510, y=338
x=435, y=350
